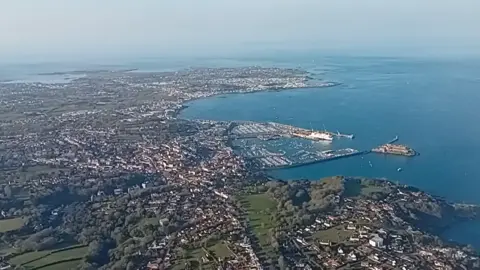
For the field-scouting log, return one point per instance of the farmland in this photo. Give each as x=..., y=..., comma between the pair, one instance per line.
x=48, y=259
x=11, y=224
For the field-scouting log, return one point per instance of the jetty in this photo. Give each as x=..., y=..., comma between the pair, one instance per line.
x=394, y=140
x=338, y=134
x=324, y=156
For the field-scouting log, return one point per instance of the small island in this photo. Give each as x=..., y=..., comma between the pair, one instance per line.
x=395, y=149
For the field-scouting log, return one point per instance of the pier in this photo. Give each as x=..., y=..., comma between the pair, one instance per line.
x=325, y=159
x=348, y=136
x=394, y=140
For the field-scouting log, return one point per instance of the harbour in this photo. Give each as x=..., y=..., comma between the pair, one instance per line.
x=268, y=159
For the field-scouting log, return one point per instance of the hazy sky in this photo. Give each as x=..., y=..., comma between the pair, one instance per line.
x=163, y=27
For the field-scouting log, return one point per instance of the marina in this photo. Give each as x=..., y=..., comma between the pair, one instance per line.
x=303, y=158
x=272, y=130
x=272, y=145
x=257, y=136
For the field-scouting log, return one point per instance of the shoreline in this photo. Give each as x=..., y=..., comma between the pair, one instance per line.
x=471, y=212
x=183, y=105
x=440, y=231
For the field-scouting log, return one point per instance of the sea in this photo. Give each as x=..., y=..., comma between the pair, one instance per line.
x=431, y=104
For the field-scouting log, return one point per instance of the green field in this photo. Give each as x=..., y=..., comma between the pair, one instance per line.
x=369, y=190
x=29, y=256
x=11, y=224
x=220, y=250
x=6, y=249
x=335, y=235
x=260, y=211
x=357, y=188
x=58, y=256
x=38, y=259
x=152, y=221
x=62, y=266
x=195, y=257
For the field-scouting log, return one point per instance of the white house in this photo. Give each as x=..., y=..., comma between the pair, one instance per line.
x=376, y=241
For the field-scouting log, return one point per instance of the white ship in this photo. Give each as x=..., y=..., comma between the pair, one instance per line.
x=320, y=136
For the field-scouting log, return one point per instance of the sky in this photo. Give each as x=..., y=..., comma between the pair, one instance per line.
x=201, y=27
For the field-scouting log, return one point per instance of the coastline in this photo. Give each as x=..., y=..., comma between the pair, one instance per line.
x=451, y=214
x=438, y=231
x=183, y=105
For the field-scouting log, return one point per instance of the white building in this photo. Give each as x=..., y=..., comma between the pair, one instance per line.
x=376, y=241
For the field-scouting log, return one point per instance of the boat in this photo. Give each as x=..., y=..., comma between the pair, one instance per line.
x=320, y=136
x=349, y=136
x=399, y=169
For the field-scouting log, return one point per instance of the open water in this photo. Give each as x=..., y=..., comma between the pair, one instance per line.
x=432, y=105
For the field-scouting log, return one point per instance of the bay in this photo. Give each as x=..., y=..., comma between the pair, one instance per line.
x=431, y=104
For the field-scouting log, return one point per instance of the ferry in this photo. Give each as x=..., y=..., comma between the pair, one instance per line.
x=320, y=136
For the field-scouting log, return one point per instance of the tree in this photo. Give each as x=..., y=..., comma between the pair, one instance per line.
x=87, y=266
x=47, y=243
x=275, y=244
x=129, y=249
x=97, y=252
x=183, y=253
x=8, y=191
x=121, y=264
x=130, y=266
x=281, y=263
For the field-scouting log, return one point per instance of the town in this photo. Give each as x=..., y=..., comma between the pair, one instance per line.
x=99, y=173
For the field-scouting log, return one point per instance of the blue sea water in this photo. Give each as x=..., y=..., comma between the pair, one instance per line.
x=432, y=105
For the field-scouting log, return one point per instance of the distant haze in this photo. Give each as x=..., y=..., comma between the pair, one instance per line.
x=59, y=28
